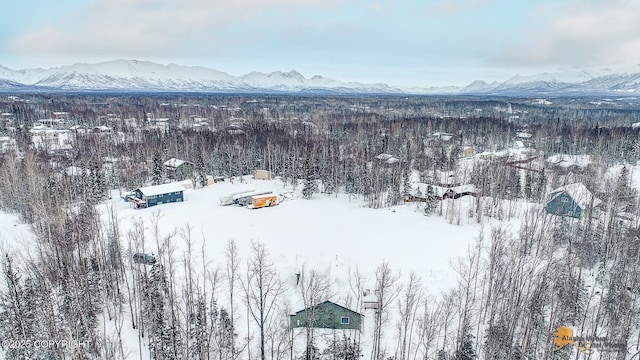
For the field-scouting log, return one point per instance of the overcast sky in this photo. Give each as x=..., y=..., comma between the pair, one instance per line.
x=398, y=42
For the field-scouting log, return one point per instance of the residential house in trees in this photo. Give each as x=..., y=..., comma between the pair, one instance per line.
x=178, y=170
x=468, y=151
x=327, y=315
x=571, y=201
x=442, y=136
x=79, y=129
x=155, y=195
x=46, y=138
x=7, y=144
x=387, y=158
x=6, y=119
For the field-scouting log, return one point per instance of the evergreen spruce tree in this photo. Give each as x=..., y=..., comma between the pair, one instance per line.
x=406, y=183
x=225, y=334
x=157, y=174
x=528, y=180
x=12, y=312
x=198, y=341
x=159, y=332
x=310, y=185
x=431, y=205
x=97, y=185
x=201, y=172
x=541, y=186
x=394, y=196
x=442, y=355
x=466, y=349
x=498, y=344
x=625, y=195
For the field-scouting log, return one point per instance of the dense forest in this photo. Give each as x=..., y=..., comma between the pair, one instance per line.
x=514, y=289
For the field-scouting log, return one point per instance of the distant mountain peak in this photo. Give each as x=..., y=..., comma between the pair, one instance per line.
x=141, y=75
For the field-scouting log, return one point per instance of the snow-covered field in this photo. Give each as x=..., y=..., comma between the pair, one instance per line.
x=332, y=235
x=14, y=235
x=328, y=233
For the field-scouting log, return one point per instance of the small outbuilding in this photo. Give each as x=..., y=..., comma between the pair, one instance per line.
x=327, y=315
x=570, y=200
x=155, y=195
x=263, y=175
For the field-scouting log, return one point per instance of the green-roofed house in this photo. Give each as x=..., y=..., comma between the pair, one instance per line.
x=327, y=315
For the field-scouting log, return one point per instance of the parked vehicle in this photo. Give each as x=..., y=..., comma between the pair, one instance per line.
x=247, y=198
x=228, y=199
x=261, y=201
x=144, y=259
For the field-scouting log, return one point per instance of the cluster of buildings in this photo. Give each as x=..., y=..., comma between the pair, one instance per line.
x=59, y=132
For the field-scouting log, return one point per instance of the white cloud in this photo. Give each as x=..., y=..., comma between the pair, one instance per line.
x=578, y=32
x=454, y=7
x=159, y=27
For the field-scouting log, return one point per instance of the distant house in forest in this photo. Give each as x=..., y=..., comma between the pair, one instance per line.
x=421, y=192
x=178, y=169
x=155, y=195
x=570, y=200
x=468, y=151
x=263, y=175
x=442, y=136
x=327, y=315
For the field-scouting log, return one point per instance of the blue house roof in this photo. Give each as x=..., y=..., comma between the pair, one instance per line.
x=570, y=200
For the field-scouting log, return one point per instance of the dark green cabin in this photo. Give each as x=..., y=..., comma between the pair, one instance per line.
x=178, y=169
x=327, y=315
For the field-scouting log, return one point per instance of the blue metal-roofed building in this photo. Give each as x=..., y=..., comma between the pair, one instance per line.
x=570, y=201
x=156, y=195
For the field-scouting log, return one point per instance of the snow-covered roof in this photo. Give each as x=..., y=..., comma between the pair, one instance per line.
x=161, y=189
x=579, y=193
x=174, y=163
x=442, y=135
x=523, y=135
x=387, y=158
x=384, y=156
x=39, y=128
x=566, y=160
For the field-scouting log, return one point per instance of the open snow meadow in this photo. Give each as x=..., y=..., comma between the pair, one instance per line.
x=332, y=234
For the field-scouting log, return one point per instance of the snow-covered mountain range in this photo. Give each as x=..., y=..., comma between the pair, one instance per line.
x=145, y=76
x=142, y=76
